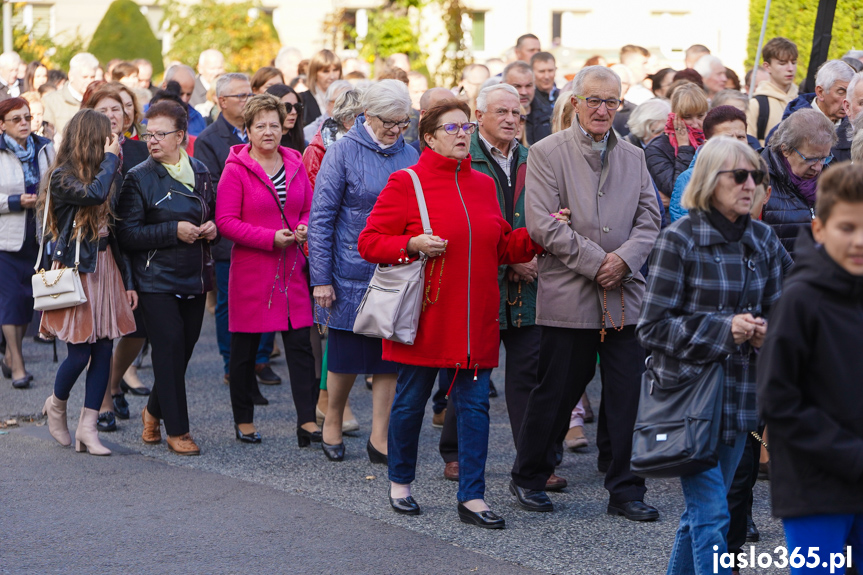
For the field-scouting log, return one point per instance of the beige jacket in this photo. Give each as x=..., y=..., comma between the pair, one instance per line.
x=777, y=99
x=614, y=209
x=60, y=106
x=13, y=225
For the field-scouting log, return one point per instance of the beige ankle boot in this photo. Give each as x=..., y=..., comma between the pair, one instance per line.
x=87, y=435
x=56, y=412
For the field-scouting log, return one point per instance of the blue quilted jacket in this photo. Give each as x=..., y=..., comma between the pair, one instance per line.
x=354, y=171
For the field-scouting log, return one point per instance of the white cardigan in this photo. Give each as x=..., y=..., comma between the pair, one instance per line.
x=13, y=225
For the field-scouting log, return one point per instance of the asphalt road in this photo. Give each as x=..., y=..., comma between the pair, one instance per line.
x=278, y=508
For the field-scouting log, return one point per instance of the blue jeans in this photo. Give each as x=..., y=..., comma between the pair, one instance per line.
x=705, y=520
x=828, y=534
x=470, y=401
x=223, y=336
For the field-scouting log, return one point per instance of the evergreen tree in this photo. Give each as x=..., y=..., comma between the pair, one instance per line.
x=125, y=33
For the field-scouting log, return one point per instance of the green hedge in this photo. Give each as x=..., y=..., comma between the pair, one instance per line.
x=125, y=33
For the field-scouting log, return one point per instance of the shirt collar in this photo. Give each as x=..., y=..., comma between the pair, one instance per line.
x=371, y=132
x=512, y=147
x=75, y=93
x=241, y=134
x=594, y=144
x=817, y=107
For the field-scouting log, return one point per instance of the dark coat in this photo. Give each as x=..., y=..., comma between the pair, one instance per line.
x=809, y=391
x=787, y=211
x=842, y=150
x=311, y=110
x=539, y=120
x=663, y=165
x=134, y=152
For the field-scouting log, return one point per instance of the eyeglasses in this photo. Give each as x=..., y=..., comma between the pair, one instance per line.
x=453, y=128
x=239, y=97
x=812, y=161
x=157, y=136
x=740, y=176
x=291, y=107
x=16, y=119
x=390, y=124
x=610, y=103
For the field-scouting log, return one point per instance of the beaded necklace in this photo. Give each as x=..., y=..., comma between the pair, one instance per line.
x=602, y=332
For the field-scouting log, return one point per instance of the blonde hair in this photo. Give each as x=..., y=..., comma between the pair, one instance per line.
x=322, y=59
x=561, y=116
x=713, y=157
x=689, y=100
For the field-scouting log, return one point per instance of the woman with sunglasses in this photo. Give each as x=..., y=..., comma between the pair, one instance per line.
x=796, y=154
x=715, y=274
x=458, y=329
x=292, y=129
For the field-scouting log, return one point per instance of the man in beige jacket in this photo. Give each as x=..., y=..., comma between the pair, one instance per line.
x=590, y=288
x=61, y=105
x=780, y=62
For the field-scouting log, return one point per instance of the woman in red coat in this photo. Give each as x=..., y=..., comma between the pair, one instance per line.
x=458, y=329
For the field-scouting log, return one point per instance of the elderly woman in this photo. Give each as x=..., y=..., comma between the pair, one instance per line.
x=455, y=330
x=336, y=89
x=324, y=69
x=24, y=161
x=647, y=122
x=795, y=155
x=696, y=313
x=354, y=171
x=345, y=111
x=292, y=129
x=165, y=223
x=263, y=207
x=132, y=127
x=670, y=153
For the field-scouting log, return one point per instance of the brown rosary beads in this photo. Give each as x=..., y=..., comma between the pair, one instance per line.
x=602, y=332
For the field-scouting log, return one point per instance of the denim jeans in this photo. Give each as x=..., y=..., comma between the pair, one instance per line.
x=704, y=523
x=470, y=401
x=828, y=534
x=223, y=336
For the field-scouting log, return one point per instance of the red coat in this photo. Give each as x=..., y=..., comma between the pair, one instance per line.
x=313, y=156
x=463, y=209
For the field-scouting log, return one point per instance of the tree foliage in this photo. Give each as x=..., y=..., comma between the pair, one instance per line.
x=449, y=73
x=242, y=31
x=795, y=20
x=50, y=51
x=125, y=33
x=391, y=31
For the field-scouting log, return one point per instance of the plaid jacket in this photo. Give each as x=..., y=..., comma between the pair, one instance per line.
x=693, y=291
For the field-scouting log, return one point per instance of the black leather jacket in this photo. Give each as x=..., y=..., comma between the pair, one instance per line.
x=68, y=195
x=151, y=205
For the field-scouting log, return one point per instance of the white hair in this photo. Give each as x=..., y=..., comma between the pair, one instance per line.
x=225, y=79
x=482, y=98
x=9, y=60
x=211, y=53
x=388, y=99
x=600, y=72
x=285, y=55
x=172, y=71
x=832, y=71
x=337, y=88
x=705, y=64
x=653, y=110
x=493, y=81
x=852, y=85
x=83, y=61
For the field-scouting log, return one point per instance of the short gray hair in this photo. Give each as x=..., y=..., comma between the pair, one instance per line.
x=348, y=106
x=653, y=110
x=852, y=85
x=172, y=71
x=831, y=72
x=600, y=72
x=482, y=98
x=804, y=126
x=208, y=54
x=522, y=67
x=83, y=61
x=493, y=81
x=388, y=99
x=225, y=79
x=336, y=88
x=9, y=59
x=728, y=98
x=705, y=64
x=853, y=54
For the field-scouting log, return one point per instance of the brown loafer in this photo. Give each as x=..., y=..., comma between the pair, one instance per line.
x=183, y=445
x=555, y=483
x=451, y=471
x=152, y=433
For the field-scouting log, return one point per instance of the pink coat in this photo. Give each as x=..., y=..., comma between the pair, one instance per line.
x=248, y=213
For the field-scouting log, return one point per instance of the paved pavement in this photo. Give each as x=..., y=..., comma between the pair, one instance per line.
x=277, y=508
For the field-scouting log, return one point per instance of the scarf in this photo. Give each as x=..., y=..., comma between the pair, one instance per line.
x=696, y=136
x=182, y=171
x=26, y=154
x=805, y=187
x=731, y=231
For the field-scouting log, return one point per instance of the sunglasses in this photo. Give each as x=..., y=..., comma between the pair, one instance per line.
x=740, y=176
x=16, y=119
x=291, y=107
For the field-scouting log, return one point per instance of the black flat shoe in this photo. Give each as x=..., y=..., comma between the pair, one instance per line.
x=752, y=533
x=404, y=505
x=634, y=511
x=305, y=438
x=106, y=422
x=531, y=500
x=22, y=383
x=134, y=390
x=260, y=400
x=247, y=437
x=121, y=406
x=376, y=456
x=333, y=452
x=485, y=519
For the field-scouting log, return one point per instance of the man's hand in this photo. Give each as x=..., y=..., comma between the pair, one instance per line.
x=611, y=271
x=523, y=272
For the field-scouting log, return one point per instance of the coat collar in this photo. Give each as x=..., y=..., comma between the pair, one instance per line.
x=240, y=155
x=704, y=234
x=359, y=134
x=37, y=140
x=226, y=130
x=197, y=166
x=432, y=161
x=477, y=155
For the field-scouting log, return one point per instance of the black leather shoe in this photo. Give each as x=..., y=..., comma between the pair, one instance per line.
x=121, y=406
x=260, y=400
x=247, y=437
x=634, y=511
x=376, y=456
x=486, y=519
x=134, y=390
x=333, y=452
x=106, y=422
x=306, y=438
x=492, y=390
x=529, y=499
x=266, y=375
x=22, y=383
x=404, y=505
x=752, y=533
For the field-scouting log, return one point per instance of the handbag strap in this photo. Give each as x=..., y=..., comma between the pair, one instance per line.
x=45, y=225
x=421, y=202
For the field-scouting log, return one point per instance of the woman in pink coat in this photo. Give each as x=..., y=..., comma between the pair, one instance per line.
x=263, y=206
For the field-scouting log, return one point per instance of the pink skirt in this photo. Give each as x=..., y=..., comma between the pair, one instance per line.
x=106, y=313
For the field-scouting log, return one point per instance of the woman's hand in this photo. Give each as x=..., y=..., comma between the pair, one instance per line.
x=28, y=200
x=208, y=231
x=743, y=327
x=563, y=215
x=112, y=145
x=283, y=239
x=324, y=295
x=432, y=246
x=680, y=132
x=132, y=298
x=301, y=234
x=188, y=232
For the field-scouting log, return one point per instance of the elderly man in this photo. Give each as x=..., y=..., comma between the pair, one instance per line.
x=590, y=289
x=185, y=77
x=694, y=53
x=10, y=87
x=211, y=64
x=61, y=105
x=145, y=74
x=525, y=47
x=472, y=78
x=542, y=106
x=430, y=99
x=519, y=75
x=636, y=59
x=287, y=61
x=712, y=72
x=853, y=103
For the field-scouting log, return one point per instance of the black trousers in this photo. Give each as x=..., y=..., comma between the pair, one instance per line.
x=522, y=365
x=301, y=368
x=740, y=494
x=567, y=363
x=173, y=326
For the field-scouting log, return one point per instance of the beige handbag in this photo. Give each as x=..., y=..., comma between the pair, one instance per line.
x=60, y=288
x=391, y=306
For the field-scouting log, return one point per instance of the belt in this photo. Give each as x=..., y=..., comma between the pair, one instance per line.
x=103, y=244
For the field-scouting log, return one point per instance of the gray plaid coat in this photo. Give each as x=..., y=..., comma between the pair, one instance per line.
x=693, y=291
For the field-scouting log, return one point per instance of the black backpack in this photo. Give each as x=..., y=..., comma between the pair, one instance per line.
x=763, y=116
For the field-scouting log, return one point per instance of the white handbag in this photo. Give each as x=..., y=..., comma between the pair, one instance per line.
x=60, y=288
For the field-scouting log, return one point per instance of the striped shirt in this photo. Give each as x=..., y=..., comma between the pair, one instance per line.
x=280, y=184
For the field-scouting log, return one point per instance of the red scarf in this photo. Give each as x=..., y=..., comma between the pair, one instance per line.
x=696, y=136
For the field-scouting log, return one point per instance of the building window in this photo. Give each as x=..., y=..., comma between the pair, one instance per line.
x=477, y=31
x=572, y=28
x=35, y=19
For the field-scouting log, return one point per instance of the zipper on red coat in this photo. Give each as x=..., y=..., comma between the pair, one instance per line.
x=469, y=255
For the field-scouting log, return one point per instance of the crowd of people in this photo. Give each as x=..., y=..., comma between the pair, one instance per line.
x=632, y=219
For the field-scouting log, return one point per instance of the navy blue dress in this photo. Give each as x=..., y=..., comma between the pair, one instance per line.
x=16, y=271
